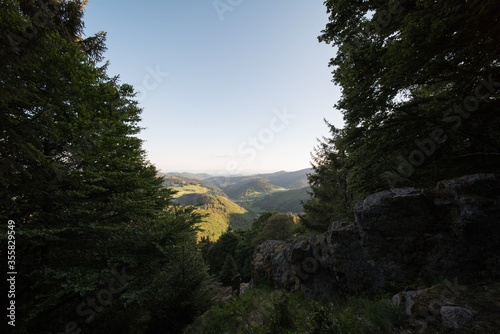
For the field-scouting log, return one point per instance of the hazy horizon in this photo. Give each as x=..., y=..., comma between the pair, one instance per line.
x=222, y=173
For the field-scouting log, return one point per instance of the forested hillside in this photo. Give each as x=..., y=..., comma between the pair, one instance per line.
x=288, y=180
x=221, y=214
x=252, y=187
x=184, y=185
x=283, y=201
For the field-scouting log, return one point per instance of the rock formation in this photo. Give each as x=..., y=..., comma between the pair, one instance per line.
x=399, y=236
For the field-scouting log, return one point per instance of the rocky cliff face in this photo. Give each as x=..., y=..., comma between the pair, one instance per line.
x=399, y=236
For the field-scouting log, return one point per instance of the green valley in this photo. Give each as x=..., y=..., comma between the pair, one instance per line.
x=245, y=190
x=235, y=201
x=220, y=212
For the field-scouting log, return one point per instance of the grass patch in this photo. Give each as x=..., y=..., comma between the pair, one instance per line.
x=268, y=311
x=189, y=189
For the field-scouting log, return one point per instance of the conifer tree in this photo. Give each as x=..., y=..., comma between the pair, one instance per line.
x=278, y=227
x=228, y=271
x=330, y=198
x=87, y=204
x=218, y=252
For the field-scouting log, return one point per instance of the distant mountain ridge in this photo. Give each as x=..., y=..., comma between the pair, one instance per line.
x=239, y=190
x=287, y=180
x=196, y=176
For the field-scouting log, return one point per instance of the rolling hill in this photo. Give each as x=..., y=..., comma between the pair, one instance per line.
x=184, y=185
x=252, y=187
x=287, y=180
x=282, y=201
x=222, y=214
x=226, y=181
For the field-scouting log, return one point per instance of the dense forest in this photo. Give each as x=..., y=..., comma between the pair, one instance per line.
x=99, y=241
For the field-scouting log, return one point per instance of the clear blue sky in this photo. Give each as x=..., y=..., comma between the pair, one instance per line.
x=226, y=86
